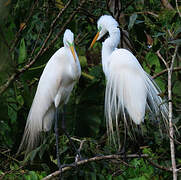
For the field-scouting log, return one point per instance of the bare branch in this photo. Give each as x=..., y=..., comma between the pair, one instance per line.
x=164, y=71
x=177, y=8
x=148, y=12
x=160, y=56
x=171, y=130
x=158, y=166
x=167, y=5
x=173, y=59
x=97, y=158
x=170, y=113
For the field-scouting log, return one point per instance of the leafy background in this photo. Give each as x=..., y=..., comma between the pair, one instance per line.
x=28, y=39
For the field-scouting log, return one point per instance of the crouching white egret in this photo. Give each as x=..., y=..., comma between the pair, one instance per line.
x=54, y=89
x=129, y=89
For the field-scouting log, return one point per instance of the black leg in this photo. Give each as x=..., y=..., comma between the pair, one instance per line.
x=123, y=148
x=139, y=139
x=56, y=136
x=78, y=156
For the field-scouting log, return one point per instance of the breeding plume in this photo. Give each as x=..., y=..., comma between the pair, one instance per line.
x=54, y=88
x=129, y=90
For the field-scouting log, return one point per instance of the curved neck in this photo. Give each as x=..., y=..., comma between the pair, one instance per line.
x=75, y=64
x=109, y=45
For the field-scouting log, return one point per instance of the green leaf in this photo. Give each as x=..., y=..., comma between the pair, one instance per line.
x=83, y=61
x=27, y=177
x=132, y=20
x=20, y=100
x=177, y=41
x=22, y=52
x=152, y=60
x=101, y=177
x=33, y=175
x=139, y=178
x=12, y=113
x=93, y=176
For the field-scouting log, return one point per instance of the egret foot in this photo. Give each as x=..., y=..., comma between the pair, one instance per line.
x=122, y=152
x=68, y=165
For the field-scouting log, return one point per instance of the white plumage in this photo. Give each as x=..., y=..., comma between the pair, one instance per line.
x=54, y=88
x=129, y=89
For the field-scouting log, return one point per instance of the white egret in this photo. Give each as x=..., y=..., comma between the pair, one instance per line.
x=54, y=89
x=129, y=89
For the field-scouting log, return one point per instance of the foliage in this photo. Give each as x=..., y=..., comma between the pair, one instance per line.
x=24, y=26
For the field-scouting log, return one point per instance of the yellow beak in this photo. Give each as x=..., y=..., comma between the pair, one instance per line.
x=94, y=40
x=73, y=52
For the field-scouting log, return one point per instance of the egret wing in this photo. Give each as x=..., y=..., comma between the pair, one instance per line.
x=42, y=111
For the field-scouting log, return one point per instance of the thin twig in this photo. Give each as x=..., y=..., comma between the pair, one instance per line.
x=19, y=32
x=64, y=25
x=35, y=45
x=177, y=8
x=158, y=166
x=10, y=172
x=149, y=12
x=164, y=71
x=160, y=56
x=10, y=157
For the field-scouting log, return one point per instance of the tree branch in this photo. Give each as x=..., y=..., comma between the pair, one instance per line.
x=167, y=5
x=164, y=71
x=170, y=113
x=96, y=158
x=178, y=8
x=158, y=166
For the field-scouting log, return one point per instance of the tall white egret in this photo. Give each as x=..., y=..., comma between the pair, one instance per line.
x=54, y=89
x=129, y=90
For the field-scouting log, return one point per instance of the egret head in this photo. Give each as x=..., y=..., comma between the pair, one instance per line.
x=68, y=40
x=104, y=24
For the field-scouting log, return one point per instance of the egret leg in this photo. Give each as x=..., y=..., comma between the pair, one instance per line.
x=56, y=136
x=139, y=139
x=78, y=156
x=123, y=148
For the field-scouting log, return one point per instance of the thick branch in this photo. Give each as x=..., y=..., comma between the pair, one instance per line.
x=171, y=130
x=85, y=161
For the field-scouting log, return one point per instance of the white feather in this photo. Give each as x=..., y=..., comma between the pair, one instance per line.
x=54, y=88
x=129, y=89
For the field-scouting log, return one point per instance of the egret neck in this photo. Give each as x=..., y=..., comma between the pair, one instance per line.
x=109, y=45
x=75, y=65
